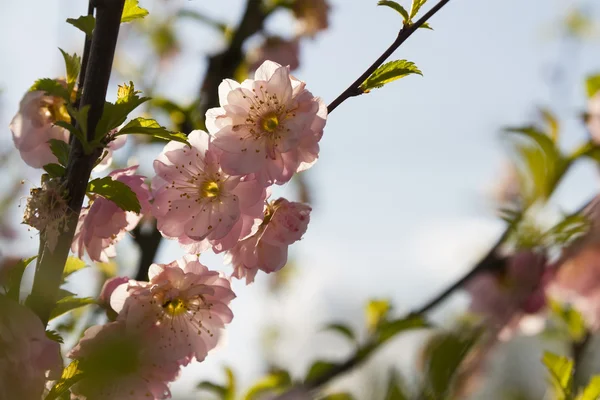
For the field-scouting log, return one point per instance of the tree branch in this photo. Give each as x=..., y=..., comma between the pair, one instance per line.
x=48, y=275
x=405, y=33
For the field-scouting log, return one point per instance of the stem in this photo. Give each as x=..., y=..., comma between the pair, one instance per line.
x=50, y=265
x=406, y=31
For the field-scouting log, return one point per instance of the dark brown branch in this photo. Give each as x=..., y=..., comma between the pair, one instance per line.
x=51, y=263
x=405, y=33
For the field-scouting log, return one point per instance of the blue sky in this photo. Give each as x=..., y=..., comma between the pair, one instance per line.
x=400, y=189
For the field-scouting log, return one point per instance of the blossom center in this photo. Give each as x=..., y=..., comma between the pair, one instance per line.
x=270, y=122
x=209, y=189
x=175, y=307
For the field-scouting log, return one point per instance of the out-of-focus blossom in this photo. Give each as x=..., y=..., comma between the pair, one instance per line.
x=199, y=204
x=46, y=211
x=27, y=356
x=102, y=224
x=109, y=287
x=33, y=126
x=593, y=117
x=312, y=16
x=119, y=363
x=503, y=297
x=285, y=222
x=270, y=126
x=188, y=303
x=507, y=190
x=274, y=48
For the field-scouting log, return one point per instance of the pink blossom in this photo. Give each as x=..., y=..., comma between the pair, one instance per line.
x=502, y=296
x=27, y=354
x=270, y=126
x=33, y=126
x=312, y=16
x=284, y=223
x=593, y=117
x=199, y=204
x=123, y=363
x=102, y=223
x=188, y=303
x=277, y=49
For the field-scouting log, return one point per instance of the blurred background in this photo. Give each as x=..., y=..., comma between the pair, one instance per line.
x=402, y=195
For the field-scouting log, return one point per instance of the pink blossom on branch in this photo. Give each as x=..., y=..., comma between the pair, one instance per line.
x=270, y=126
x=119, y=362
x=33, y=126
x=27, y=354
x=188, y=303
x=274, y=48
x=102, y=223
x=199, y=204
x=285, y=222
x=312, y=16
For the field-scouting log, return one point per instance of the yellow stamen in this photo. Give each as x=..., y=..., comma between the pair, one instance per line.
x=209, y=189
x=270, y=123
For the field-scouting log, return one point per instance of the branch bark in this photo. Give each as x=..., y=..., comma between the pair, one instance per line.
x=48, y=275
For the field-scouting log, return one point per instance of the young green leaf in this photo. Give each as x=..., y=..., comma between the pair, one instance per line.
x=376, y=312
x=396, y=388
x=15, y=275
x=389, y=72
x=72, y=265
x=592, y=85
x=69, y=303
x=115, y=191
x=274, y=383
x=52, y=87
x=115, y=114
x=132, y=11
x=85, y=23
x=73, y=65
x=397, y=7
x=571, y=319
x=150, y=127
x=55, y=170
x=388, y=329
x=61, y=150
x=561, y=374
x=343, y=330
x=592, y=390
x=318, y=369
x=415, y=7
x=219, y=390
x=70, y=376
x=567, y=230
x=338, y=396
x=425, y=25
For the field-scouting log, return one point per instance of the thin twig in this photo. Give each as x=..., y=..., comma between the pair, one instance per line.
x=406, y=31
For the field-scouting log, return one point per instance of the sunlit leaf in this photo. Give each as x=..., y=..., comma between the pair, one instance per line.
x=376, y=312
x=318, y=369
x=395, y=6
x=15, y=275
x=571, y=319
x=115, y=114
x=52, y=87
x=72, y=265
x=275, y=383
x=592, y=390
x=150, y=127
x=70, y=376
x=567, y=230
x=85, y=23
x=343, y=330
x=552, y=123
x=69, y=303
x=389, y=72
x=117, y=192
x=73, y=65
x=132, y=11
x=415, y=7
x=561, y=374
x=592, y=85
x=338, y=396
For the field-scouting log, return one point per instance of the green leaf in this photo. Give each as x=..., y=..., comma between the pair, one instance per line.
x=571, y=319
x=128, y=99
x=561, y=373
x=318, y=369
x=15, y=275
x=70, y=303
x=132, y=11
x=55, y=170
x=376, y=312
x=70, y=376
x=552, y=123
x=395, y=6
x=592, y=85
x=73, y=65
x=85, y=23
x=592, y=390
x=275, y=382
x=150, y=127
x=389, y=329
x=395, y=390
x=425, y=25
x=74, y=131
x=219, y=390
x=443, y=356
x=117, y=192
x=72, y=265
x=415, y=7
x=53, y=335
x=389, y=72
x=338, y=396
x=52, y=87
x=61, y=150
x=567, y=230
x=226, y=392
x=342, y=329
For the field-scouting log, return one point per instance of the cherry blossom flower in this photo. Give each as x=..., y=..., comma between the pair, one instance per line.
x=46, y=211
x=285, y=222
x=277, y=49
x=102, y=223
x=33, y=126
x=199, y=204
x=312, y=16
x=593, y=117
x=188, y=303
x=520, y=289
x=28, y=356
x=270, y=126
x=121, y=363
